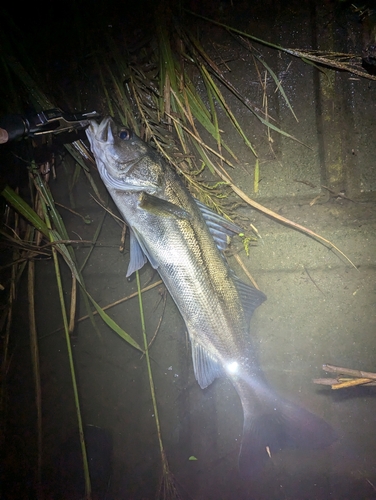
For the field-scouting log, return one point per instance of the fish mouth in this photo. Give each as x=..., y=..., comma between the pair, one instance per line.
x=101, y=132
x=112, y=165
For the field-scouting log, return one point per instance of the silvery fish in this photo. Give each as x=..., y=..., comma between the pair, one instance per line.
x=184, y=241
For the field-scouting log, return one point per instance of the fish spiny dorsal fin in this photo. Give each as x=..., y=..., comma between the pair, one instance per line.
x=219, y=227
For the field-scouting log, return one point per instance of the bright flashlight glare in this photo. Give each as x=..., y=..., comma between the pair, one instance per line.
x=232, y=367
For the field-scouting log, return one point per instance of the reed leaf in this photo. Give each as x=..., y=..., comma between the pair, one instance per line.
x=278, y=84
x=335, y=60
x=24, y=209
x=219, y=96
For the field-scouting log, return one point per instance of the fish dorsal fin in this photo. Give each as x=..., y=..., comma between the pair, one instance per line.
x=219, y=227
x=137, y=256
x=205, y=366
x=250, y=296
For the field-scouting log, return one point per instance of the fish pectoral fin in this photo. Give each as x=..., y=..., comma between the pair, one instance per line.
x=219, y=227
x=137, y=255
x=140, y=251
x=205, y=366
x=160, y=207
x=250, y=296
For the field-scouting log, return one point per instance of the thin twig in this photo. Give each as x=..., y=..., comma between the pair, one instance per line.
x=160, y=321
x=249, y=275
x=349, y=371
x=36, y=367
x=276, y=216
x=351, y=383
x=358, y=377
x=313, y=281
x=113, y=304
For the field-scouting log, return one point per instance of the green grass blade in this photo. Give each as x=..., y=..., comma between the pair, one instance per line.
x=219, y=96
x=239, y=32
x=278, y=84
x=115, y=327
x=200, y=112
x=25, y=210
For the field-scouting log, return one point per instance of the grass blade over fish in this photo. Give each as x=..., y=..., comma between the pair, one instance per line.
x=184, y=241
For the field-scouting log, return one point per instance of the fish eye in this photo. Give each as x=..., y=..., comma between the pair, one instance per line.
x=125, y=134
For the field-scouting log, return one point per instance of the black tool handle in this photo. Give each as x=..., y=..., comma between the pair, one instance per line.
x=13, y=127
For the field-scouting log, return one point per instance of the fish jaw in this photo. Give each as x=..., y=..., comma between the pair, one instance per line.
x=102, y=144
x=100, y=136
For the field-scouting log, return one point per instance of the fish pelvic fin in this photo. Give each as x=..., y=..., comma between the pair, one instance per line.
x=283, y=426
x=205, y=366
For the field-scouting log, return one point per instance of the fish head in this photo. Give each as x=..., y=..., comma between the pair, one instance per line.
x=124, y=161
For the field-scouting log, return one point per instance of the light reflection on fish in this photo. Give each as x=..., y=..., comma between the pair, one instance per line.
x=184, y=241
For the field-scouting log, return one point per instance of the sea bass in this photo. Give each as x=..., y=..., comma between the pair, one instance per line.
x=184, y=241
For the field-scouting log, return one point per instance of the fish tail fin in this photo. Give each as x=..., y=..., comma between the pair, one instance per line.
x=283, y=425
